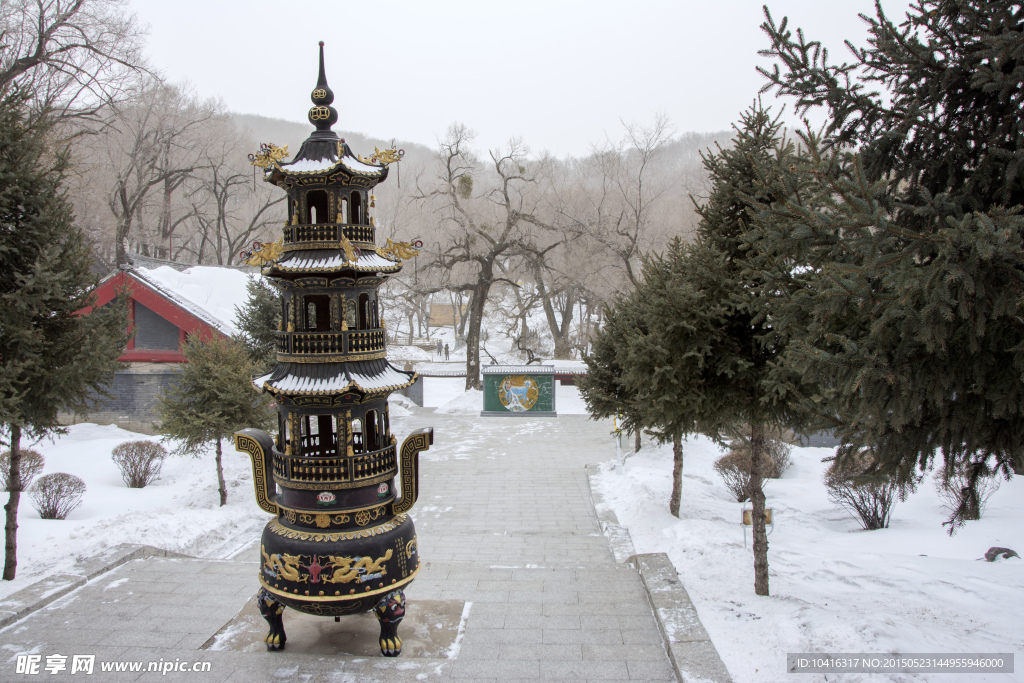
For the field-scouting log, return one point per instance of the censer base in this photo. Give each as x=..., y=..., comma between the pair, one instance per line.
x=338, y=573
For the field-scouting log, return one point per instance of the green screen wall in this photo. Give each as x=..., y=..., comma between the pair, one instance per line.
x=519, y=393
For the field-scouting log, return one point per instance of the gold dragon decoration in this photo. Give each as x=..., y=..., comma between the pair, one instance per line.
x=399, y=250
x=383, y=156
x=269, y=155
x=262, y=254
x=352, y=252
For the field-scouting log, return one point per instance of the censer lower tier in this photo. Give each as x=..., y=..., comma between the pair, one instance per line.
x=341, y=541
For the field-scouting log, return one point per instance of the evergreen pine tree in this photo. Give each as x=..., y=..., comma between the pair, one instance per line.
x=213, y=397
x=258, y=320
x=646, y=364
x=912, y=317
x=51, y=359
x=603, y=386
x=747, y=384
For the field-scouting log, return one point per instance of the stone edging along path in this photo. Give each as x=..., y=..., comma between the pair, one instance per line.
x=34, y=597
x=689, y=647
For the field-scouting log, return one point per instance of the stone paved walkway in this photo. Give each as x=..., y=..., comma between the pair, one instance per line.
x=505, y=524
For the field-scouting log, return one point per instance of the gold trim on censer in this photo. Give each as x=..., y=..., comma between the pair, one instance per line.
x=399, y=583
x=279, y=529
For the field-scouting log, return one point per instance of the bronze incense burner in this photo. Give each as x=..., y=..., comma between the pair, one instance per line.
x=340, y=542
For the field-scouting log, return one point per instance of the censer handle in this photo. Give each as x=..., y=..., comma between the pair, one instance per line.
x=259, y=445
x=419, y=440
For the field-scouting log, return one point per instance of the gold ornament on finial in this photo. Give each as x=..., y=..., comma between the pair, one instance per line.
x=262, y=254
x=269, y=155
x=383, y=156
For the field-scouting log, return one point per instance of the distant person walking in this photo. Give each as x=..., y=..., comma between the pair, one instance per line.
x=438, y=348
x=446, y=352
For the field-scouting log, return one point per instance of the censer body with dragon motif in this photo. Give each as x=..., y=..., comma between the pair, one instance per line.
x=341, y=541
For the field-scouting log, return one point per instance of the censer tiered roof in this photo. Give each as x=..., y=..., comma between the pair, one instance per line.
x=329, y=253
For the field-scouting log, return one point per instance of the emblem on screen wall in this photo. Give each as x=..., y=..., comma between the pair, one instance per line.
x=518, y=393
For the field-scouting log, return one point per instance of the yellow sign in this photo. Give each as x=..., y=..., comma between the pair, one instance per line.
x=748, y=517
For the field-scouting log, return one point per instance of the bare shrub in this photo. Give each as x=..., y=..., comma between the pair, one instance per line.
x=140, y=462
x=869, y=497
x=31, y=465
x=735, y=467
x=954, y=487
x=55, y=495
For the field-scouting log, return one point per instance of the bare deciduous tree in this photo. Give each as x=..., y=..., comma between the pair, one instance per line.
x=75, y=56
x=229, y=209
x=479, y=229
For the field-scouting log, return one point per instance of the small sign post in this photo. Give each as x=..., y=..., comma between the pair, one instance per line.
x=747, y=519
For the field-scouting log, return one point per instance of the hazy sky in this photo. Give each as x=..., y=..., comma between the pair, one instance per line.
x=559, y=74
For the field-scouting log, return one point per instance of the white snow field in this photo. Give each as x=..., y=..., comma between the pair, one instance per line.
x=834, y=588
x=179, y=512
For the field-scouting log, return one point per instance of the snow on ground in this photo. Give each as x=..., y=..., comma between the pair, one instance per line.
x=399, y=406
x=467, y=403
x=438, y=391
x=834, y=587
x=179, y=512
x=568, y=400
x=398, y=353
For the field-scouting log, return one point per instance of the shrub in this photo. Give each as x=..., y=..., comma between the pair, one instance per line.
x=869, y=497
x=140, y=462
x=55, y=495
x=734, y=467
x=955, y=491
x=31, y=465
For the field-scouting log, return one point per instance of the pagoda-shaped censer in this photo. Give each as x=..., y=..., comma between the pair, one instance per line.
x=340, y=542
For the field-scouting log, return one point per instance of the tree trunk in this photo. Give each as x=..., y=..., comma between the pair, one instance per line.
x=476, y=317
x=220, y=478
x=559, y=332
x=636, y=440
x=11, y=525
x=757, y=467
x=677, y=472
x=124, y=225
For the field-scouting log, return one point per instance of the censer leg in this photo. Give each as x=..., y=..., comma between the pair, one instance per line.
x=390, y=611
x=271, y=610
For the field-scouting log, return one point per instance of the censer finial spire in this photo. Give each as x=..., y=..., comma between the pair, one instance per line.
x=322, y=114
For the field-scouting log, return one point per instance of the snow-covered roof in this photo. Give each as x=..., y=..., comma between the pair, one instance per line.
x=331, y=378
x=309, y=165
x=208, y=292
x=311, y=259
x=518, y=369
x=322, y=155
x=568, y=367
